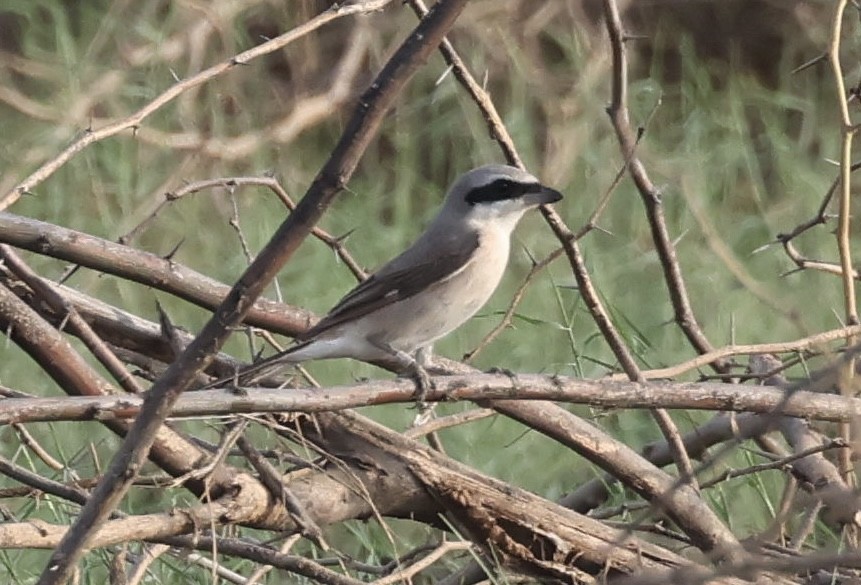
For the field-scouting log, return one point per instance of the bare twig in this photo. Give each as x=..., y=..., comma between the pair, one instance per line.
x=142, y=267
x=80, y=327
x=782, y=463
x=817, y=341
x=40, y=452
x=407, y=573
x=273, y=482
x=43, y=484
x=230, y=183
x=135, y=119
x=847, y=134
x=618, y=111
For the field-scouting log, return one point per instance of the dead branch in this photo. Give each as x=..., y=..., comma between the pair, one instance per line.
x=482, y=388
x=143, y=267
x=618, y=112
x=528, y=534
x=57, y=358
x=232, y=183
x=822, y=476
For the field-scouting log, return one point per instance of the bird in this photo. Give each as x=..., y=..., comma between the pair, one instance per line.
x=432, y=287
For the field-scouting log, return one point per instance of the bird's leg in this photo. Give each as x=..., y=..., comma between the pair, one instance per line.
x=423, y=384
x=424, y=355
x=423, y=361
x=414, y=368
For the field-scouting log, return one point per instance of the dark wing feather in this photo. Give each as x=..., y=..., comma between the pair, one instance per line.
x=392, y=284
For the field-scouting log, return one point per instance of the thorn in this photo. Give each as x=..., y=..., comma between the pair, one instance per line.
x=602, y=230
x=764, y=247
x=530, y=255
x=164, y=321
x=442, y=77
x=810, y=63
x=169, y=256
x=343, y=238
x=69, y=273
x=174, y=75
x=679, y=239
x=511, y=375
x=634, y=37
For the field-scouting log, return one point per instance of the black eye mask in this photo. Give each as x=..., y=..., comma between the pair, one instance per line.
x=500, y=190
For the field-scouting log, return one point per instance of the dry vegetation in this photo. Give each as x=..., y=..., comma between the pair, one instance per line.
x=691, y=317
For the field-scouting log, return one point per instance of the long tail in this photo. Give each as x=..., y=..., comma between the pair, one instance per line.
x=260, y=369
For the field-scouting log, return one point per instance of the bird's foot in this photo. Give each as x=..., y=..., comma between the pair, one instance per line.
x=424, y=384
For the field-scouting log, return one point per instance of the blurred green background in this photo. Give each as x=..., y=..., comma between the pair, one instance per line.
x=741, y=147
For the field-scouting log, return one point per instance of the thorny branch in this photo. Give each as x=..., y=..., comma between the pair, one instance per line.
x=232, y=183
x=135, y=119
x=602, y=394
x=618, y=112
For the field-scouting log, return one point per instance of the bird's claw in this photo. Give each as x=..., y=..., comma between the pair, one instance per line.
x=424, y=384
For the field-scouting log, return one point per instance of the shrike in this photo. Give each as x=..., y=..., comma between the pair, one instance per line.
x=432, y=287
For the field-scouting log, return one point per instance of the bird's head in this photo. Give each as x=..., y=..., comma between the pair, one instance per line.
x=498, y=194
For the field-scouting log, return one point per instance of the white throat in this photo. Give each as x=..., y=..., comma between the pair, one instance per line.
x=500, y=216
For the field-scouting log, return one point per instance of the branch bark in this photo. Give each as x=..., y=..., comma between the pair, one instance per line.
x=482, y=388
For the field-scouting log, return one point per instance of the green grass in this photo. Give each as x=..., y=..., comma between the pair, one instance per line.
x=751, y=158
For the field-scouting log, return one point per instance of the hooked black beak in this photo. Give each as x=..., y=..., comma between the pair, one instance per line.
x=544, y=195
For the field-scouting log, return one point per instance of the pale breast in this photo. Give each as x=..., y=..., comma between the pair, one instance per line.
x=422, y=319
